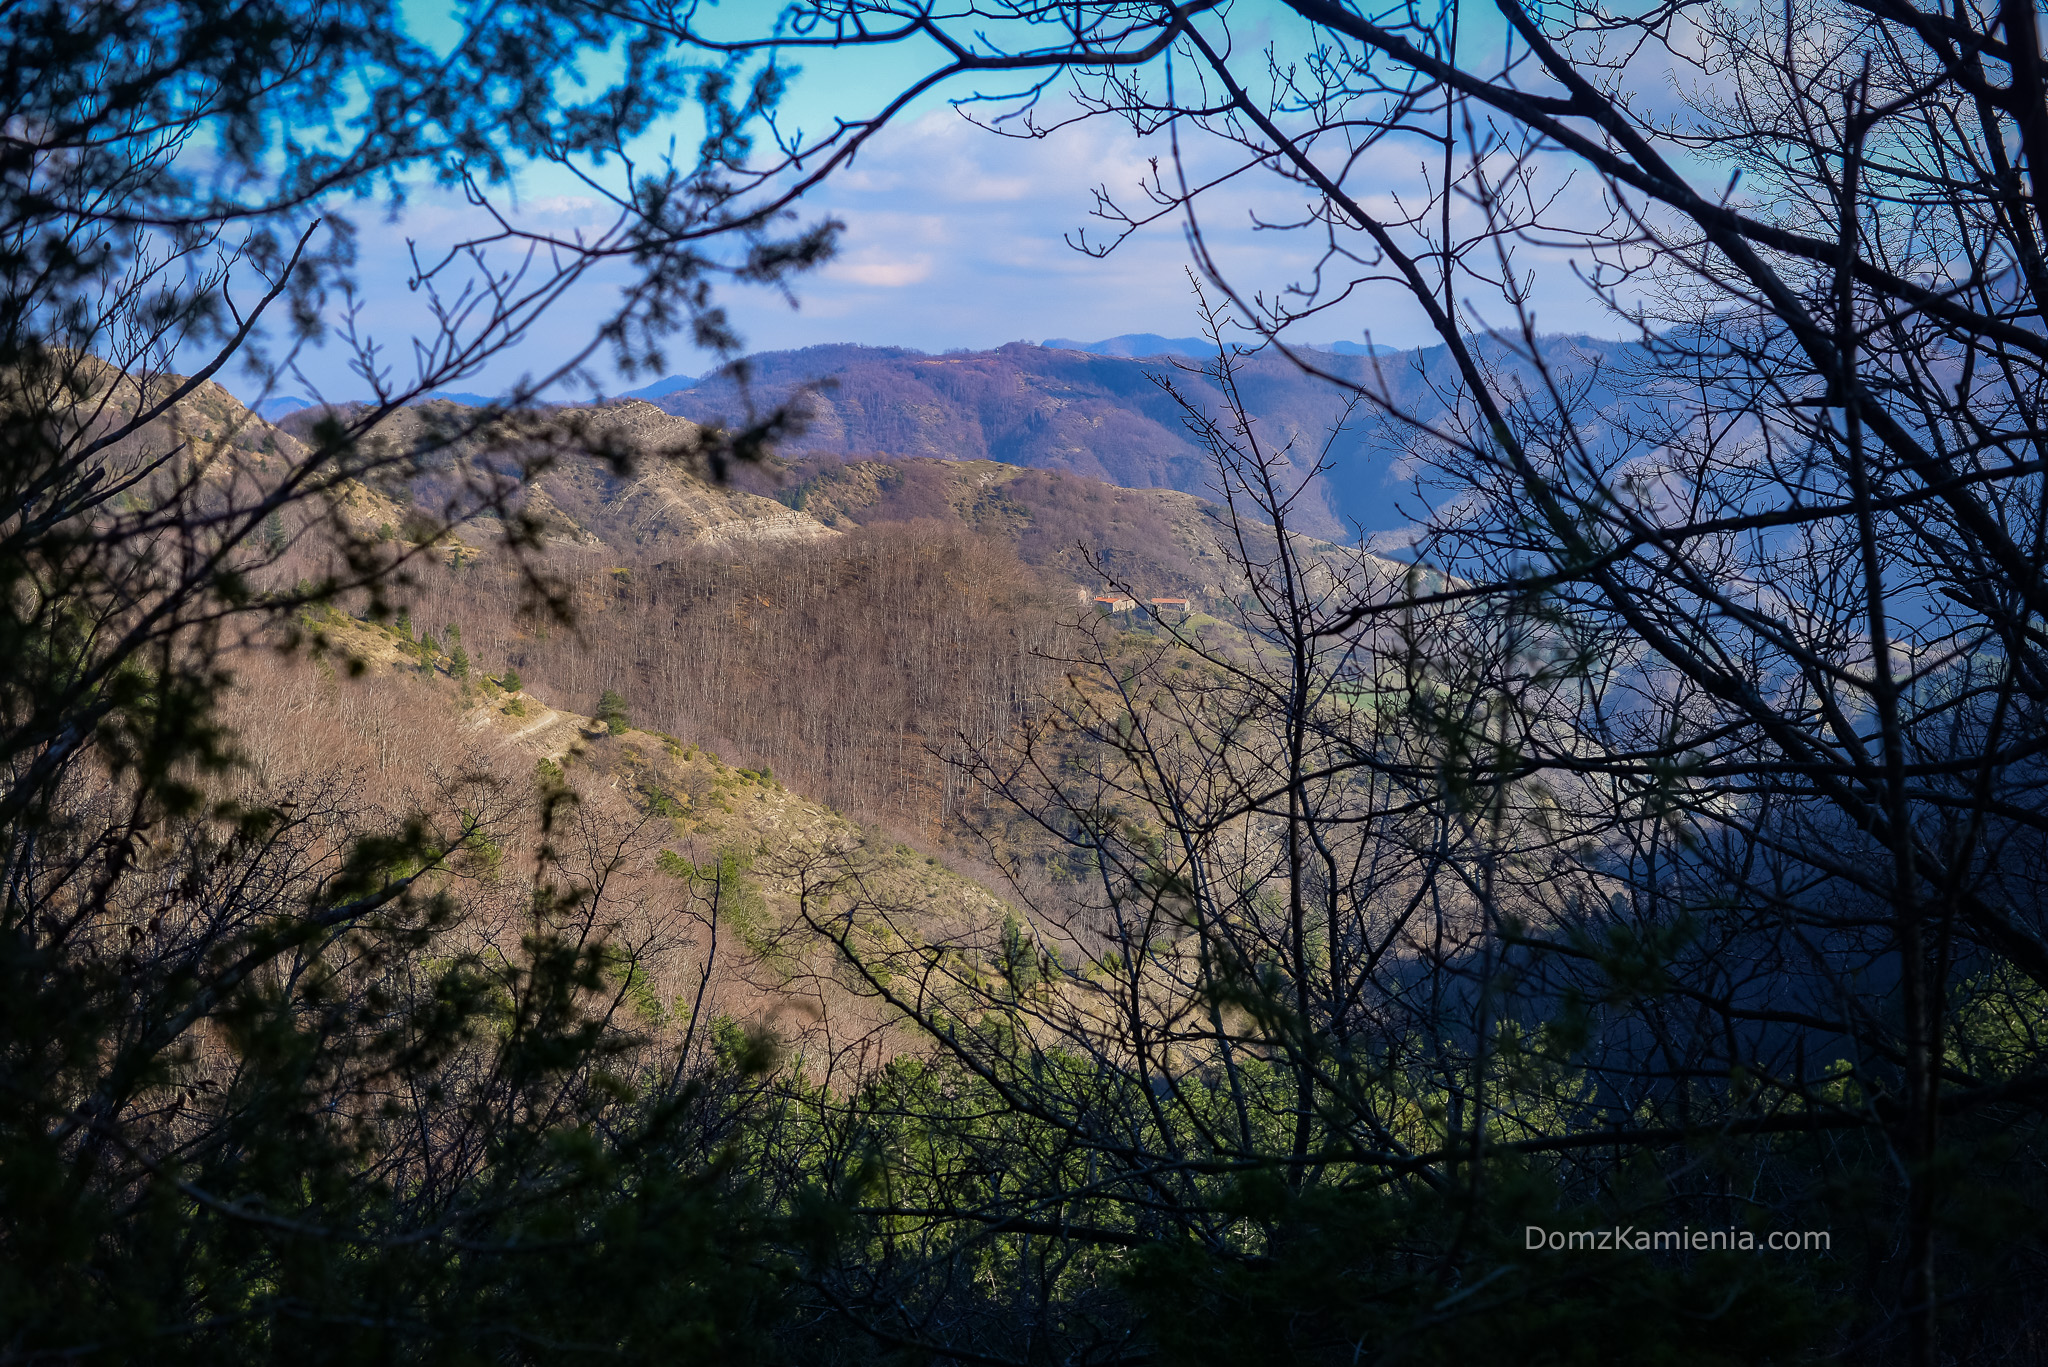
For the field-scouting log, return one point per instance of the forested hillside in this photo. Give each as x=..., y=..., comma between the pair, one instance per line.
x=855, y=667
x=527, y=883
x=1153, y=541
x=643, y=810
x=858, y=632
x=1085, y=532
x=1105, y=417
x=830, y=803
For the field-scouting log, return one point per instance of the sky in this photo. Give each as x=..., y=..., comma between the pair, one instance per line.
x=955, y=238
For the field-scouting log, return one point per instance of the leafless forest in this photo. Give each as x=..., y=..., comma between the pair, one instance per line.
x=856, y=668
x=1495, y=957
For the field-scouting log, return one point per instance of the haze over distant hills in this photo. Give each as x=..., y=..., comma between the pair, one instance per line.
x=1110, y=417
x=1136, y=344
x=1104, y=410
x=661, y=387
x=280, y=406
x=1152, y=344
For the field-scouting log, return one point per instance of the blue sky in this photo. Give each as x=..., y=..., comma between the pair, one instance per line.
x=956, y=238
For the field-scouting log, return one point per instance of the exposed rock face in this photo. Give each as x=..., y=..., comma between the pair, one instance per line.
x=663, y=502
x=581, y=501
x=669, y=505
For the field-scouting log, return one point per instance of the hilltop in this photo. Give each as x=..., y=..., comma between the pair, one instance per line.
x=581, y=501
x=1081, y=529
x=1107, y=417
x=1085, y=532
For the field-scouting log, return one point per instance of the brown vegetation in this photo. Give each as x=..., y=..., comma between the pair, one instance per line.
x=683, y=862
x=1075, y=527
x=1105, y=418
x=853, y=667
x=1100, y=417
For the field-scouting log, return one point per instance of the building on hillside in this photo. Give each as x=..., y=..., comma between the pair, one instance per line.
x=1115, y=602
x=1172, y=608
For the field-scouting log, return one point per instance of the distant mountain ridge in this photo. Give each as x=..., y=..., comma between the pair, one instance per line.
x=1110, y=417
x=668, y=385
x=1100, y=410
x=1137, y=344
x=280, y=406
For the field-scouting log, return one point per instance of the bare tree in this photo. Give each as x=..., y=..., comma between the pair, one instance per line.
x=1738, y=741
x=1676, y=831
x=247, y=1051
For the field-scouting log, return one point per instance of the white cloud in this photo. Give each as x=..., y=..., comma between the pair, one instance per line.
x=959, y=237
x=880, y=273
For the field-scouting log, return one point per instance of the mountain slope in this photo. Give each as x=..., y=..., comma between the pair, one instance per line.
x=662, y=506
x=1109, y=418
x=583, y=501
x=653, y=816
x=1139, y=344
x=1158, y=541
